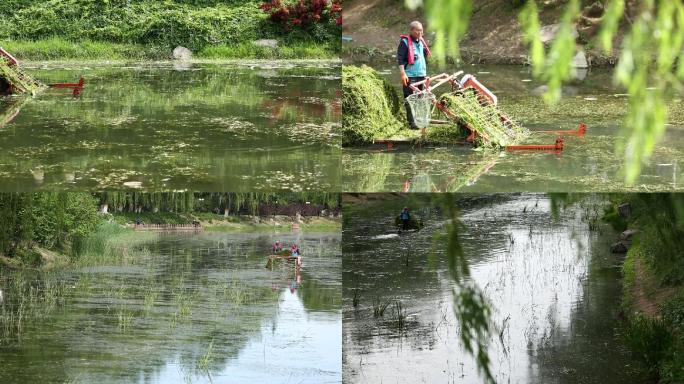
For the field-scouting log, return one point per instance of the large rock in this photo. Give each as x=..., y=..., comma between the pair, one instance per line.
x=580, y=60
x=269, y=43
x=548, y=32
x=628, y=234
x=618, y=247
x=594, y=10
x=182, y=53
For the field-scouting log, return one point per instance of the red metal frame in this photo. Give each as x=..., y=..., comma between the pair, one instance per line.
x=558, y=146
x=12, y=60
x=77, y=87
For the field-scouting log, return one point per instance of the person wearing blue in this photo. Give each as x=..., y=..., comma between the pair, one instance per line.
x=405, y=217
x=412, y=55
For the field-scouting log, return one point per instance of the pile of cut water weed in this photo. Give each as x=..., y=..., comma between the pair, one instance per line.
x=445, y=134
x=483, y=119
x=370, y=107
x=20, y=81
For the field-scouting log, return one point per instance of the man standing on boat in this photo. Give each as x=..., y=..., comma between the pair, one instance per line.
x=412, y=55
x=405, y=217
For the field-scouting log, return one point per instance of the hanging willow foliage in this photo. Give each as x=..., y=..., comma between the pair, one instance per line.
x=650, y=65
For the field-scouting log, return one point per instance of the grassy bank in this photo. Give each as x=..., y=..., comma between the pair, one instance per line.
x=150, y=30
x=61, y=49
x=112, y=242
x=653, y=284
x=655, y=319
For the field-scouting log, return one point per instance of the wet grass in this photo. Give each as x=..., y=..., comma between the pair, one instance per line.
x=207, y=358
x=399, y=316
x=26, y=301
x=112, y=242
x=150, y=300
x=379, y=307
x=125, y=319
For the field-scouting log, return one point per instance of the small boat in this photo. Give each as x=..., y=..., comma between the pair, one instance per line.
x=284, y=257
x=415, y=223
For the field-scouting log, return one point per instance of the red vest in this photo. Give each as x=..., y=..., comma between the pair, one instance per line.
x=409, y=39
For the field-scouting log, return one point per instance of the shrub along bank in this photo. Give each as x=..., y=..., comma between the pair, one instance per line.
x=149, y=29
x=653, y=290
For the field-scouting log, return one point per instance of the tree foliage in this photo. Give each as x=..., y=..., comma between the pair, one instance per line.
x=193, y=24
x=253, y=203
x=50, y=220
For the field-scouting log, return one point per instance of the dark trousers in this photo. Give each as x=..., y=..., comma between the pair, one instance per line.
x=405, y=224
x=407, y=92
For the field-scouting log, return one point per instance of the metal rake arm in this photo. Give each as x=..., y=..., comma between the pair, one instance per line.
x=437, y=80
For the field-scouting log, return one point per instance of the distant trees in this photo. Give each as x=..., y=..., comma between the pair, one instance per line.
x=226, y=203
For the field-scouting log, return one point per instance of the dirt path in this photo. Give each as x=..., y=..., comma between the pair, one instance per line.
x=494, y=35
x=647, y=295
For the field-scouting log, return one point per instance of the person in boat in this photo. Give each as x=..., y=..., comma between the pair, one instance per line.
x=297, y=254
x=405, y=217
x=294, y=250
x=412, y=55
x=138, y=221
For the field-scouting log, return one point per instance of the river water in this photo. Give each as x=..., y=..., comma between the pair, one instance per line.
x=244, y=125
x=183, y=308
x=590, y=163
x=552, y=284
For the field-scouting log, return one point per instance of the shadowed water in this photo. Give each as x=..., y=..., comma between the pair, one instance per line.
x=185, y=308
x=553, y=286
x=239, y=126
x=588, y=163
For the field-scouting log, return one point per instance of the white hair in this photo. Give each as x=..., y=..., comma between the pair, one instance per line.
x=415, y=24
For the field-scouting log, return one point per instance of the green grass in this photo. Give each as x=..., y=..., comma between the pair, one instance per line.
x=657, y=342
x=57, y=48
x=112, y=242
x=297, y=50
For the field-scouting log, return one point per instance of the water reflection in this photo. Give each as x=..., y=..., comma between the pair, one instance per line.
x=588, y=163
x=186, y=308
x=211, y=126
x=544, y=277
